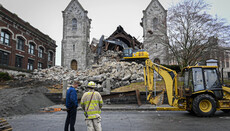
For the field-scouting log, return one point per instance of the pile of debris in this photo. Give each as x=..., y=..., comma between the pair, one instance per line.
x=116, y=73
x=110, y=56
x=55, y=73
x=24, y=98
x=109, y=74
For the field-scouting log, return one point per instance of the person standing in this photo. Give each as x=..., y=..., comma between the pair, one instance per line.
x=71, y=105
x=91, y=103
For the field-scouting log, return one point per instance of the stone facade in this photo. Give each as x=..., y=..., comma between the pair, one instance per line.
x=155, y=31
x=22, y=46
x=76, y=30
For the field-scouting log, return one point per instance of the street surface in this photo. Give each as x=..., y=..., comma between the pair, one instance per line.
x=126, y=121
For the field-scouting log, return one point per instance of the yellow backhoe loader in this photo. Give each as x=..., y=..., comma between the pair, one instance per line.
x=201, y=94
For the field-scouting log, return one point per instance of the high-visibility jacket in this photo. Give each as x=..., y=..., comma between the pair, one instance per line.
x=95, y=106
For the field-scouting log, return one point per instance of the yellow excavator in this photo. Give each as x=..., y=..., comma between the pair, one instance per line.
x=202, y=93
x=129, y=54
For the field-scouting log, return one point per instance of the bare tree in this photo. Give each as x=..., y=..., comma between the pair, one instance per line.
x=189, y=29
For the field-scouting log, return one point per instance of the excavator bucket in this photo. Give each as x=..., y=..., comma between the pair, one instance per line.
x=157, y=100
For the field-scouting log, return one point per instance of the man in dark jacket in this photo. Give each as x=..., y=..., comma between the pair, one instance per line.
x=71, y=105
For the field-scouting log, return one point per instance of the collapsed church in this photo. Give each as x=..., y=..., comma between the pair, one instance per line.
x=78, y=53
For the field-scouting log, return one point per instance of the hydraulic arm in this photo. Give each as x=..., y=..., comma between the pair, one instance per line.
x=169, y=76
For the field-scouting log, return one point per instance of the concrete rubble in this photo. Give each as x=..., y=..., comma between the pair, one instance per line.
x=108, y=73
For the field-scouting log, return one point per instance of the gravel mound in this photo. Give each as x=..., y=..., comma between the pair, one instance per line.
x=23, y=100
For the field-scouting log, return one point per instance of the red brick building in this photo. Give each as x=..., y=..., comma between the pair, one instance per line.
x=23, y=46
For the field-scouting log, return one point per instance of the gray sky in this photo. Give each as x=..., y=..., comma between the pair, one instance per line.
x=106, y=15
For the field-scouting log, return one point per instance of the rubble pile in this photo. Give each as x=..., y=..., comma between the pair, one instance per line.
x=110, y=74
x=55, y=73
x=109, y=56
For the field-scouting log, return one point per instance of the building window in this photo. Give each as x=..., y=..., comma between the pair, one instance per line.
x=223, y=64
x=73, y=47
x=155, y=23
x=18, y=61
x=40, y=52
x=50, y=56
x=30, y=65
x=4, y=58
x=20, y=43
x=31, y=48
x=227, y=64
x=74, y=24
x=5, y=38
x=40, y=65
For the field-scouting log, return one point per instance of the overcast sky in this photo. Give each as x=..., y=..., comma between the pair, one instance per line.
x=106, y=15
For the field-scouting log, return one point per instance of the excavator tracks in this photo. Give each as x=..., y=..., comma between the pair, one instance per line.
x=4, y=125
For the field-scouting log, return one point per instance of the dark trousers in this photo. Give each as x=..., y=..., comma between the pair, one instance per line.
x=70, y=119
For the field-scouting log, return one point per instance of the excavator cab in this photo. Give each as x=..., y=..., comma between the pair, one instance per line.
x=202, y=79
x=128, y=52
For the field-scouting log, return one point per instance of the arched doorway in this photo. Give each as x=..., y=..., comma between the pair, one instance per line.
x=157, y=61
x=74, y=65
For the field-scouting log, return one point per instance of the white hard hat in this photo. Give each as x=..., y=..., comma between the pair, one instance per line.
x=92, y=84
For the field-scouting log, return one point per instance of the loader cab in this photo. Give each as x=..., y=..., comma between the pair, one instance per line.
x=202, y=78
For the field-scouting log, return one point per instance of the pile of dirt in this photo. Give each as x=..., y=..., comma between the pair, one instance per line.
x=22, y=100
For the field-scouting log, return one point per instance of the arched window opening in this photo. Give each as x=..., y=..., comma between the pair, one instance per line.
x=74, y=24
x=74, y=65
x=20, y=43
x=5, y=37
x=73, y=47
x=50, y=56
x=157, y=61
x=31, y=48
x=40, y=52
x=155, y=23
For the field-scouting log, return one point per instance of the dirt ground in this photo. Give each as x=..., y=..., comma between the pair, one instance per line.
x=23, y=97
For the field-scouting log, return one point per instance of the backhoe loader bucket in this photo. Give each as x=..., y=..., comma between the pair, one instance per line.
x=157, y=100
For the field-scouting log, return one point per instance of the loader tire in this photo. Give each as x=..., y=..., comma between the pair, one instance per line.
x=204, y=105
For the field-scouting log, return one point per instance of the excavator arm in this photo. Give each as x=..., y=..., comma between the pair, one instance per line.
x=169, y=76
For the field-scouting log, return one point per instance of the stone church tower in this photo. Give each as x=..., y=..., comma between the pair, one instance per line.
x=75, y=42
x=155, y=31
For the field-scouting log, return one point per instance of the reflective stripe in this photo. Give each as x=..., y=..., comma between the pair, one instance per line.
x=101, y=102
x=93, y=112
x=92, y=101
x=89, y=93
x=92, y=117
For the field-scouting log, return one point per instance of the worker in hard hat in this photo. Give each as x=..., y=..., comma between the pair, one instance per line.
x=91, y=103
x=71, y=105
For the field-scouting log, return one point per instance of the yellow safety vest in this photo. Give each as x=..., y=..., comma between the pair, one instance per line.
x=95, y=106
